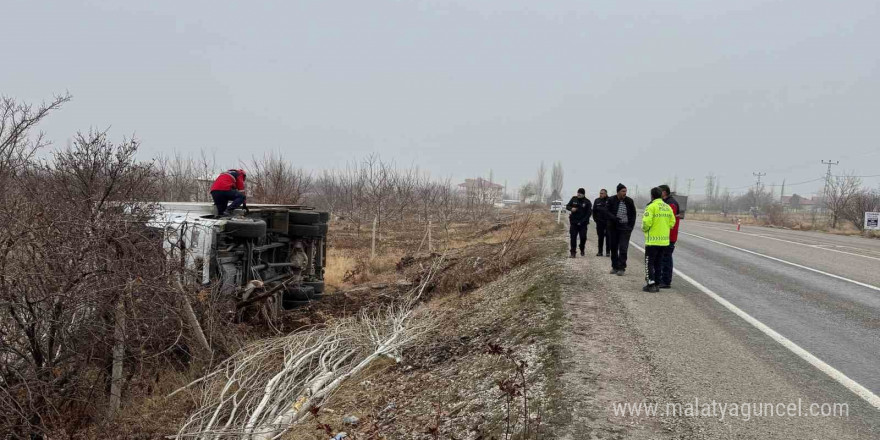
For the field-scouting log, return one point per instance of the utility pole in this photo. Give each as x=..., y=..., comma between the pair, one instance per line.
x=758, y=182
x=827, y=180
x=758, y=187
x=690, y=183
x=782, y=193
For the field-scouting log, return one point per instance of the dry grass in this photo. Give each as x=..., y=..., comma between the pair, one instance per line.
x=339, y=263
x=148, y=413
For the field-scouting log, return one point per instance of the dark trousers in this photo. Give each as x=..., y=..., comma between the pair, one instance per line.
x=653, y=263
x=618, y=239
x=222, y=199
x=666, y=269
x=602, y=234
x=576, y=231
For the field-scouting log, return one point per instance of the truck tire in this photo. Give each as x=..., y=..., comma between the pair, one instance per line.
x=322, y=229
x=245, y=228
x=318, y=286
x=303, y=231
x=303, y=217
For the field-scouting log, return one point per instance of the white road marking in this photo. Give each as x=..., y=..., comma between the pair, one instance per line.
x=814, y=246
x=859, y=283
x=832, y=372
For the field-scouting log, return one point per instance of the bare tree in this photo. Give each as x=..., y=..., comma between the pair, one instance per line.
x=274, y=180
x=541, y=182
x=556, y=181
x=17, y=144
x=327, y=191
x=527, y=191
x=841, y=192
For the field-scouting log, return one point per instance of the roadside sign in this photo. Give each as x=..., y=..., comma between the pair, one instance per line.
x=872, y=220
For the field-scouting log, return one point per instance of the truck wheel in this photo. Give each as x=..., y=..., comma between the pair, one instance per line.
x=303, y=231
x=303, y=217
x=245, y=228
x=323, y=228
x=318, y=286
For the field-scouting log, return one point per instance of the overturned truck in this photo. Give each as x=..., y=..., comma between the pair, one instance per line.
x=273, y=255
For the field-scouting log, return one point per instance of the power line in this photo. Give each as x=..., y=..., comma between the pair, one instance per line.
x=872, y=175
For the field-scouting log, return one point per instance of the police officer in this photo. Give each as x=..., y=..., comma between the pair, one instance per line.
x=657, y=221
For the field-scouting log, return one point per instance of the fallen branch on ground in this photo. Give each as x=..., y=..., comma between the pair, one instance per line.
x=262, y=390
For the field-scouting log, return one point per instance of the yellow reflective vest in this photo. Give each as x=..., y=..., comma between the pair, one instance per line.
x=657, y=220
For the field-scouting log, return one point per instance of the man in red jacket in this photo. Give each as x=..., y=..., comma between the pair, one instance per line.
x=228, y=187
x=666, y=263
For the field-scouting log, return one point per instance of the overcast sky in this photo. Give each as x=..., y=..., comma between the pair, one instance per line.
x=619, y=91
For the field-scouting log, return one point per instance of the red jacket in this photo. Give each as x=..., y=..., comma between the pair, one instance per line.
x=226, y=182
x=673, y=234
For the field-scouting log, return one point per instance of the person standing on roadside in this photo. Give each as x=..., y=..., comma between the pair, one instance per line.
x=579, y=220
x=657, y=221
x=621, y=221
x=600, y=215
x=666, y=264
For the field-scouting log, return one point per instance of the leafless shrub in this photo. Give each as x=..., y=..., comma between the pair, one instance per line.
x=865, y=200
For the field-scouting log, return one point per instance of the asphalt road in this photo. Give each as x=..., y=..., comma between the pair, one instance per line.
x=820, y=291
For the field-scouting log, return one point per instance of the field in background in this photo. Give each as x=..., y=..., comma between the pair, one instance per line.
x=349, y=261
x=799, y=221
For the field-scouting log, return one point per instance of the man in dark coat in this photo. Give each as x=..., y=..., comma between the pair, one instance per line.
x=600, y=215
x=622, y=220
x=580, y=208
